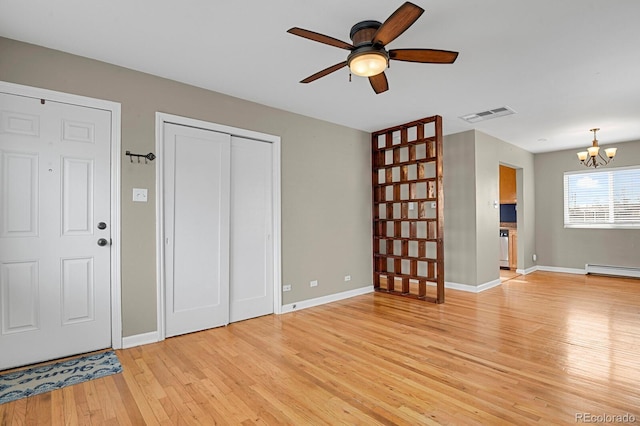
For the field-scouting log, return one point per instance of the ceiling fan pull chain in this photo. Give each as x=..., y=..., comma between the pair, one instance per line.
x=349, y=77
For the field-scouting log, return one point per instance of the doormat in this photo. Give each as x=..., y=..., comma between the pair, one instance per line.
x=45, y=378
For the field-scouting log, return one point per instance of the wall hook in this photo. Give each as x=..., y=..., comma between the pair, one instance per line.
x=147, y=157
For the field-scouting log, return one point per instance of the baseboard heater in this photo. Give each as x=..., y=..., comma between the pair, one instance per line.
x=620, y=271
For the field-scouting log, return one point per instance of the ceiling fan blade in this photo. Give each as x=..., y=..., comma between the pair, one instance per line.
x=379, y=83
x=397, y=23
x=324, y=72
x=321, y=38
x=428, y=56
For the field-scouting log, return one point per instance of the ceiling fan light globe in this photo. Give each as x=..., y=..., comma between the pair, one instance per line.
x=368, y=64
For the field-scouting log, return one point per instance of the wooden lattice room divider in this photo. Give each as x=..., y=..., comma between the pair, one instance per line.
x=408, y=210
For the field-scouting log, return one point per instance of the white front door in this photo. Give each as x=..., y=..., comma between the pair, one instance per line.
x=251, y=291
x=196, y=228
x=54, y=210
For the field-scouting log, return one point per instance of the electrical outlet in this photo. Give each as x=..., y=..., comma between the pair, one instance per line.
x=535, y=257
x=347, y=277
x=313, y=283
x=286, y=287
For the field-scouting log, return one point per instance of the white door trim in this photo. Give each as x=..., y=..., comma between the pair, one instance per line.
x=114, y=108
x=161, y=119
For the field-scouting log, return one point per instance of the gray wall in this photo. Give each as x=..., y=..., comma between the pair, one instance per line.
x=571, y=247
x=487, y=215
x=326, y=178
x=471, y=182
x=459, y=172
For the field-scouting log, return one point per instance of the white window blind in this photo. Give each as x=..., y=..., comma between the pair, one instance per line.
x=603, y=198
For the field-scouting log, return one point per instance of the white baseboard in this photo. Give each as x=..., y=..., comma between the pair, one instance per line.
x=472, y=288
x=527, y=271
x=140, y=339
x=304, y=304
x=561, y=270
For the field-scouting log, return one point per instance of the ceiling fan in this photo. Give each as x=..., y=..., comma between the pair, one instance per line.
x=368, y=57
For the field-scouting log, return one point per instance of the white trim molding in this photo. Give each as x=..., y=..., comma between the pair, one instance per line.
x=161, y=119
x=561, y=270
x=527, y=271
x=472, y=288
x=115, y=109
x=310, y=303
x=140, y=339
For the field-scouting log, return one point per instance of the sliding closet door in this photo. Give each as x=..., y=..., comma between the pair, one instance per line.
x=196, y=228
x=251, y=245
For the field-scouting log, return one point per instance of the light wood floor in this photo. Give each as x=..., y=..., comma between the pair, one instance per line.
x=539, y=349
x=506, y=275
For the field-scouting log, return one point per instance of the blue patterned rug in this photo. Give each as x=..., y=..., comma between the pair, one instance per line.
x=45, y=378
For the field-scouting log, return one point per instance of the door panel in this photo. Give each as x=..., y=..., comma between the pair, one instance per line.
x=75, y=131
x=19, y=291
x=251, y=276
x=77, y=190
x=77, y=290
x=55, y=280
x=20, y=123
x=19, y=194
x=196, y=194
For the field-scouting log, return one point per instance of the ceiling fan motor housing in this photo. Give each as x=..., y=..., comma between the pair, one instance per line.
x=362, y=32
x=362, y=35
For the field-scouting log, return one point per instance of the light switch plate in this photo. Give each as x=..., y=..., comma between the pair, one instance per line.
x=140, y=195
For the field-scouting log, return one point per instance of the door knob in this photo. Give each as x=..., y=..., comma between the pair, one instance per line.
x=102, y=225
x=102, y=242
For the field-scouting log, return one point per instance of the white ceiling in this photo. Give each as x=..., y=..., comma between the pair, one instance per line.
x=563, y=66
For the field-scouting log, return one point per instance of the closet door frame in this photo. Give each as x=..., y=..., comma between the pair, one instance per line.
x=161, y=119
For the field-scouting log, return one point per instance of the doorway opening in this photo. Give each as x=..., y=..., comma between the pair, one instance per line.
x=508, y=235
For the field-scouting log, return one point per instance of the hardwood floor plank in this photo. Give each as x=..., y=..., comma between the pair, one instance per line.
x=135, y=387
x=538, y=349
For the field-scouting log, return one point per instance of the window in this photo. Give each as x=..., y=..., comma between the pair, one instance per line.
x=602, y=198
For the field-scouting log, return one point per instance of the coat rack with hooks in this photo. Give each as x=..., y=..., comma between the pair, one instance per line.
x=147, y=157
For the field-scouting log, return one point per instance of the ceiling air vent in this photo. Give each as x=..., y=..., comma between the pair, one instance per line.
x=487, y=115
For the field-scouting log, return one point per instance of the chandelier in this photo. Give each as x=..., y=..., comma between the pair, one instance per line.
x=592, y=157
